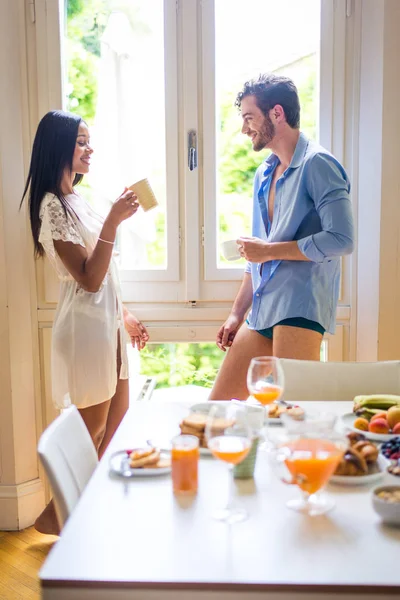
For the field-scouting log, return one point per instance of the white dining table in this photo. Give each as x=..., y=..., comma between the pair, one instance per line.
x=135, y=539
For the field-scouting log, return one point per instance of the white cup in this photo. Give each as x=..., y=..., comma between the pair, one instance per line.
x=230, y=250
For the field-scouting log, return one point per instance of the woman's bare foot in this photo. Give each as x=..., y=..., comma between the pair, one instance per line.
x=47, y=521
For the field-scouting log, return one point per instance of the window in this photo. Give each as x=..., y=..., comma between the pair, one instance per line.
x=157, y=81
x=246, y=43
x=115, y=80
x=119, y=65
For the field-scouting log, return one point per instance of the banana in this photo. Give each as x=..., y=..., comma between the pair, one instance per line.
x=378, y=401
x=367, y=413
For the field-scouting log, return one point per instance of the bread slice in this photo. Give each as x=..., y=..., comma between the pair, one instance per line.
x=196, y=421
x=141, y=453
x=163, y=463
x=188, y=431
x=145, y=461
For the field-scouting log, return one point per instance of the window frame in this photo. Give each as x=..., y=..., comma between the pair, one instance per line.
x=50, y=23
x=167, y=298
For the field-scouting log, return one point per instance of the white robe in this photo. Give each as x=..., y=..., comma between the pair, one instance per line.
x=86, y=324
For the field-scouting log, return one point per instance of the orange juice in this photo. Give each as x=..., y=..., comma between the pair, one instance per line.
x=312, y=462
x=184, y=461
x=267, y=394
x=231, y=449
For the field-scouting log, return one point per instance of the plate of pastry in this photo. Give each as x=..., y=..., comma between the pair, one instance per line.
x=140, y=462
x=195, y=423
x=275, y=411
x=361, y=463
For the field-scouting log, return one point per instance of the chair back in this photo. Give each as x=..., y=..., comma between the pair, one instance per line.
x=311, y=380
x=69, y=458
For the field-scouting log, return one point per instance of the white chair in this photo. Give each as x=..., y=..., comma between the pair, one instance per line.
x=69, y=458
x=309, y=380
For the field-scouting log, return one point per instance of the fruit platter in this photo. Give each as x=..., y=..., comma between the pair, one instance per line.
x=376, y=416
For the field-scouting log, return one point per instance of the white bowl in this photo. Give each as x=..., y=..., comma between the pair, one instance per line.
x=388, y=511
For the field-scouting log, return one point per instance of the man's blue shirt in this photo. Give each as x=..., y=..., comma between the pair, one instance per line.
x=312, y=205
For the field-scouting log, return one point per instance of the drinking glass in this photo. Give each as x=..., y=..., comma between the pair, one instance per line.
x=265, y=382
x=306, y=453
x=229, y=437
x=265, y=379
x=184, y=462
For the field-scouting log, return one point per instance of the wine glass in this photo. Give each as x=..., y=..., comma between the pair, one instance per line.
x=265, y=379
x=265, y=382
x=229, y=437
x=306, y=453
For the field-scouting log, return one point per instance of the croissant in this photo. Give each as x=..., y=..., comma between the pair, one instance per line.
x=355, y=437
x=368, y=450
x=275, y=411
x=352, y=463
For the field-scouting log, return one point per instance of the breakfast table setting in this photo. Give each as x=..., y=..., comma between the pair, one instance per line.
x=154, y=522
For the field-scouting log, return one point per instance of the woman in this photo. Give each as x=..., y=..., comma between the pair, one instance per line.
x=89, y=356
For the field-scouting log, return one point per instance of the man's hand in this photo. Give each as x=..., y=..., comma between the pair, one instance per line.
x=227, y=332
x=136, y=330
x=254, y=249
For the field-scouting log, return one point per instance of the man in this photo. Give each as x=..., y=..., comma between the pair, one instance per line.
x=302, y=224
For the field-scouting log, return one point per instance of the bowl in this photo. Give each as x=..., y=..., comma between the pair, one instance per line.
x=387, y=509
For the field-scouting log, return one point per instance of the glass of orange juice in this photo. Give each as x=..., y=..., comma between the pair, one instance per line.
x=265, y=379
x=306, y=453
x=185, y=464
x=229, y=436
x=265, y=382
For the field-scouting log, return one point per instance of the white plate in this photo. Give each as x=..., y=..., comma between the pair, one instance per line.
x=271, y=421
x=119, y=465
x=205, y=407
x=202, y=451
x=255, y=410
x=274, y=421
x=348, y=420
x=383, y=463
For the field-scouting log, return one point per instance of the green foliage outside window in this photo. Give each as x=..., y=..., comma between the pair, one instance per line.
x=181, y=364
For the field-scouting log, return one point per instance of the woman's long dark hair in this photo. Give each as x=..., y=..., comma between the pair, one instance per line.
x=52, y=153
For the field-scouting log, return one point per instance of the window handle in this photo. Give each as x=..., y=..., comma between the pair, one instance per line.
x=192, y=150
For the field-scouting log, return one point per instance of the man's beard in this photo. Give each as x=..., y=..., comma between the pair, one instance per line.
x=265, y=135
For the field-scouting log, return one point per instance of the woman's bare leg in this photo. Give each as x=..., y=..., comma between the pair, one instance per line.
x=118, y=407
x=95, y=418
x=231, y=379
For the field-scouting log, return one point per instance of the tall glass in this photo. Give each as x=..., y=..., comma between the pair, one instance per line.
x=229, y=436
x=306, y=453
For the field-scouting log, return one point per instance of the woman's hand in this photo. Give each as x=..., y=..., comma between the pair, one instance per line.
x=124, y=207
x=227, y=332
x=136, y=330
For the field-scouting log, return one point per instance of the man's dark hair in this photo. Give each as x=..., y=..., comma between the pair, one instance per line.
x=269, y=90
